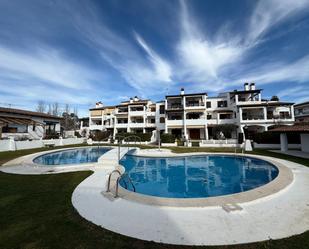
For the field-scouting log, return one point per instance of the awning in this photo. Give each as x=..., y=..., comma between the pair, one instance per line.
x=19, y=121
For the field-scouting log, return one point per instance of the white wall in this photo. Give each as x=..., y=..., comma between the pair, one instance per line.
x=11, y=145
x=274, y=146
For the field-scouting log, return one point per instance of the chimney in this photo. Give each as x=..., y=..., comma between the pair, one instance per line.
x=131, y=100
x=182, y=91
x=252, y=86
x=136, y=98
x=246, y=86
x=98, y=104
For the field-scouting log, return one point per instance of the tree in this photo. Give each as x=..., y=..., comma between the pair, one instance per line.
x=49, y=109
x=41, y=107
x=67, y=109
x=55, y=109
x=274, y=98
x=69, y=121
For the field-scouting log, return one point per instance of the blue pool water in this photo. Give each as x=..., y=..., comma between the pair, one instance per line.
x=72, y=156
x=196, y=176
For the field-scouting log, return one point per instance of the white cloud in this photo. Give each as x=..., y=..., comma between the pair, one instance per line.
x=161, y=67
x=269, y=13
x=44, y=64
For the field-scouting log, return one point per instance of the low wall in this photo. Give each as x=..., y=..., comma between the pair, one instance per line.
x=274, y=146
x=11, y=145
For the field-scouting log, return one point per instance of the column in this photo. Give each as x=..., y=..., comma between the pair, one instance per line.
x=283, y=142
x=292, y=112
x=265, y=112
x=184, y=117
x=240, y=114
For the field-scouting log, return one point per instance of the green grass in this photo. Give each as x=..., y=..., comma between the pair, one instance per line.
x=36, y=212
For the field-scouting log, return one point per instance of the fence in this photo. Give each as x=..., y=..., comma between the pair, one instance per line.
x=11, y=145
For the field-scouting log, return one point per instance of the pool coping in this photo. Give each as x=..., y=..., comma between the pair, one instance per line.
x=26, y=165
x=285, y=178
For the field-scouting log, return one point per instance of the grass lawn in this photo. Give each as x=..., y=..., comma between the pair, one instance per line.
x=36, y=212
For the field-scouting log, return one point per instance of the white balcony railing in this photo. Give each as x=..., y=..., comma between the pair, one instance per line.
x=96, y=127
x=137, y=125
x=121, y=125
x=137, y=113
x=174, y=122
x=195, y=121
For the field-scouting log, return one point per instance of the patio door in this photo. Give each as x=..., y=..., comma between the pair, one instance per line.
x=195, y=134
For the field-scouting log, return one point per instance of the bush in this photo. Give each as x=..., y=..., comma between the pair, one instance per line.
x=195, y=144
x=226, y=129
x=142, y=136
x=76, y=134
x=99, y=135
x=52, y=136
x=167, y=138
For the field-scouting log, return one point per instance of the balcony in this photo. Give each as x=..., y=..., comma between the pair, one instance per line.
x=121, y=125
x=195, y=105
x=96, y=127
x=175, y=106
x=177, y=122
x=137, y=125
x=200, y=121
x=137, y=113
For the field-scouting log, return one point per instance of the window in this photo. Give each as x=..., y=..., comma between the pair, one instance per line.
x=222, y=103
x=208, y=116
x=162, y=109
x=162, y=120
x=208, y=104
x=33, y=127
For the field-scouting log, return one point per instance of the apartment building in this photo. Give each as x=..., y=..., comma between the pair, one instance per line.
x=196, y=116
x=135, y=115
x=302, y=112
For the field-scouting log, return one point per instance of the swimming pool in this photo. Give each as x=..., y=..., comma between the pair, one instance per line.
x=196, y=176
x=72, y=156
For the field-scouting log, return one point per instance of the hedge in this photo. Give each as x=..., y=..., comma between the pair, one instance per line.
x=143, y=136
x=167, y=138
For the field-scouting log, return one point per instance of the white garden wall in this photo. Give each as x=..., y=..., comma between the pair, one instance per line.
x=274, y=146
x=11, y=145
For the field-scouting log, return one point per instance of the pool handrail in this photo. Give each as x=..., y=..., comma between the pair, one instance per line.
x=109, y=179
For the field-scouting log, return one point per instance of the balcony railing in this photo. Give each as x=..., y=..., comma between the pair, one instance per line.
x=175, y=106
x=195, y=104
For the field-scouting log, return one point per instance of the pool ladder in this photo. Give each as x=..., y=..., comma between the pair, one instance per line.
x=120, y=176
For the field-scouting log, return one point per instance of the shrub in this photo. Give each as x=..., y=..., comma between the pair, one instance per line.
x=142, y=136
x=100, y=135
x=167, y=138
x=52, y=136
x=226, y=129
x=195, y=144
x=76, y=133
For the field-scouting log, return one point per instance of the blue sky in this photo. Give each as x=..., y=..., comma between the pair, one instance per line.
x=80, y=52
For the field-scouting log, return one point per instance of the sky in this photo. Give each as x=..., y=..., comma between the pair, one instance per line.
x=78, y=52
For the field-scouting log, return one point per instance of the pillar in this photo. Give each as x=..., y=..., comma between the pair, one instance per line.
x=265, y=112
x=283, y=142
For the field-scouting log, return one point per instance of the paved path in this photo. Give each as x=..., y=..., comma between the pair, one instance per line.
x=296, y=153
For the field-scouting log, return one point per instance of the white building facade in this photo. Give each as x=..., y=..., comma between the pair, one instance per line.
x=196, y=116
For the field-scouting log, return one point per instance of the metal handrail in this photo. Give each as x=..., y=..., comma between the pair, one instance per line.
x=117, y=184
x=109, y=179
x=130, y=180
